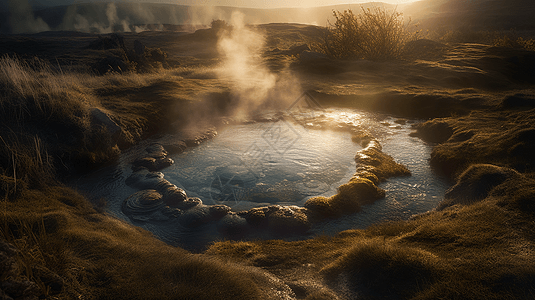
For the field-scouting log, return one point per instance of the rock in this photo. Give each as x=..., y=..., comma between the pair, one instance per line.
x=172, y=144
x=256, y=216
x=367, y=175
x=171, y=212
x=141, y=205
x=233, y=225
x=148, y=163
x=100, y=117
x=143, y=179
x=196, y=216
x=219, y=211
x=198, y=138
x=362, y=190
x=163, y=163
x=287, y=219
x=188, y=203
x=174, y=196
x=139, y=48
x=373, y=160
x=350, y=198
x=151, y=163
x=136, y=177
x=156, y=151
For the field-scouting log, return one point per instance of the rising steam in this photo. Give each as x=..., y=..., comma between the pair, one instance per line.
x=73, y=20
x=253, y=85
x=22, y=19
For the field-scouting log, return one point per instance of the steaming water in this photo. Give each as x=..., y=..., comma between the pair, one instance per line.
x=263, y=164
x=282, y=163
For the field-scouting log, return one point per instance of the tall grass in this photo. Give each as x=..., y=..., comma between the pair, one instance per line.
x=376, y=34
x=46, y=127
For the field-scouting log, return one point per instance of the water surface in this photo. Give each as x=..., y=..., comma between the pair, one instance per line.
x=285, y=163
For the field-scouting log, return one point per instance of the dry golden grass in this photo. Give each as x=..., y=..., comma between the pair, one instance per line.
x=376, y=34
x=46, y=126
x=509, y=39
x=100, y=257
x=481, y=251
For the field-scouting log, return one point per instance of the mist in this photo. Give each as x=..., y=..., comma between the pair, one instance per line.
x=253, y=85
x=22, y=19
x=109, y=17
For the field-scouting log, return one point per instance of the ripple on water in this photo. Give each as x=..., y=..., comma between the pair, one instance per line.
x=243, y=167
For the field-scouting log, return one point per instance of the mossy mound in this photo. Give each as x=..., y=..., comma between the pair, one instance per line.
x=385, y=270
x=475, y=184
x=349, y=199
x=373, y=166
x=505, y=137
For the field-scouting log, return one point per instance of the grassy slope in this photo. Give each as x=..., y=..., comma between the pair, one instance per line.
x=46, y=127
x=477, y=251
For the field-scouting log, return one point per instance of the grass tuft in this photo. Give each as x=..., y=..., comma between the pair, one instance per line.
x=386, y=269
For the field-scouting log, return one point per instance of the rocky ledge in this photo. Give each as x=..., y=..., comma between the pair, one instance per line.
x=158, y=200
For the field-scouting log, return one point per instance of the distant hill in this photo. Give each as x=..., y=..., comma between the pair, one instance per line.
x=125, y=16
x=474, y=14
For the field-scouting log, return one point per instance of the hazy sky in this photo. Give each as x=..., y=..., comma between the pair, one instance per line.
x=237, y=3
x=281, y=3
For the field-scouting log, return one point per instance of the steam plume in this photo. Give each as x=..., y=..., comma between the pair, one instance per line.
x=253, y=85
x=22, y=19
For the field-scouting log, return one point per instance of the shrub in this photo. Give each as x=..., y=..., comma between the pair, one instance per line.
x=375, y=34
x=219, y=25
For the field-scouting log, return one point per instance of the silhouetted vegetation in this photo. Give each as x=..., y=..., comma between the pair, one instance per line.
x=375, y=34
x=120, y=59
x=509, y=39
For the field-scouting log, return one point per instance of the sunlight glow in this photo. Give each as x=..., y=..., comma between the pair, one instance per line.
x=285, y=3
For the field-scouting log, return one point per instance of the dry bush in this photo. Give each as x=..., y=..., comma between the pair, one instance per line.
x=375, y=34
x=220, y=25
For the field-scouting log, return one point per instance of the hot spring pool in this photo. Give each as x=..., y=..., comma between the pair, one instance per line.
x=285, y=163
x=263, y=164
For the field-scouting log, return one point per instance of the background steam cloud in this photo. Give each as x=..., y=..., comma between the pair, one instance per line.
x=253, y=85
x=125, y=16
x=22, y=18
